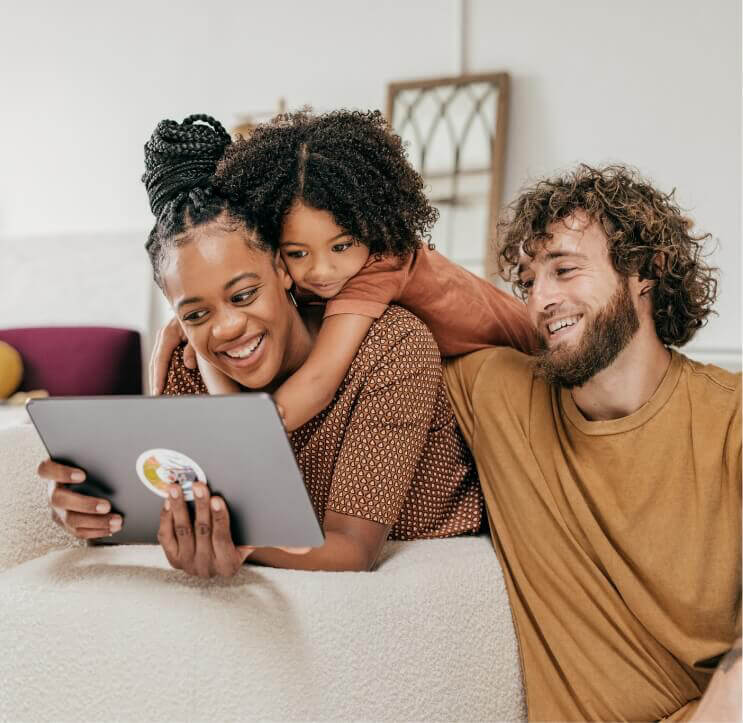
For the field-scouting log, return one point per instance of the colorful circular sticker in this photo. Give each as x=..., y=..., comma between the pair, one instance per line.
x=157, y=468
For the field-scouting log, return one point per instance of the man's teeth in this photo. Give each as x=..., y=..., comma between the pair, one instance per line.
x=245, y=351
x=561, y=323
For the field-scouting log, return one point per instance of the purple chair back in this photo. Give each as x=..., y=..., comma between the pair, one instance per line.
x=78, y=361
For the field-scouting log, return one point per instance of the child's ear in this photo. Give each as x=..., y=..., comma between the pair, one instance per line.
x=278, y=261
x=286, y=280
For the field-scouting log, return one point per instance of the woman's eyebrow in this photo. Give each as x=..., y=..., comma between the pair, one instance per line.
x=241, y=277
x=189, y=300
x=231, y=282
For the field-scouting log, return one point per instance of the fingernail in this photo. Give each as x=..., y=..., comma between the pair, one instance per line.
x=115, y=524
x=167, y=505
x=216, y=506
x=174, y=491
x=78, y=476
x=156, y=391
x=198, y=491
x=102, y=507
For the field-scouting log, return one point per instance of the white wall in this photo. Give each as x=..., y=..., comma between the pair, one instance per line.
x=82, y=84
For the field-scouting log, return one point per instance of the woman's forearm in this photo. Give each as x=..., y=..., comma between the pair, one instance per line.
x=351, y=544
x=339, y=553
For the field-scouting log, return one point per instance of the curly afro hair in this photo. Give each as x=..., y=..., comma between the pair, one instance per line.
x=348, y=163
x=647, y=235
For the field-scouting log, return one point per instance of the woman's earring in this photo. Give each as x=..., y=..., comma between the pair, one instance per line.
x=291, y=296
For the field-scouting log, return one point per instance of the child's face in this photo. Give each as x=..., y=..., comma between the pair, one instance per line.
x=319, y=254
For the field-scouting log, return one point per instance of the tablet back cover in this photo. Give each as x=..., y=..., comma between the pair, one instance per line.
x=130, y=447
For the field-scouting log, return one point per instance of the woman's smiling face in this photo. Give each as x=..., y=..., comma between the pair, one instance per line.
x=230, y=297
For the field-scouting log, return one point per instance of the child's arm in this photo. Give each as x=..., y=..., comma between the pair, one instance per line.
x=216, y=381
x=312, y=387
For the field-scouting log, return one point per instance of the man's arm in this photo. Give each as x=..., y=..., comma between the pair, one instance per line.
x=722, y=699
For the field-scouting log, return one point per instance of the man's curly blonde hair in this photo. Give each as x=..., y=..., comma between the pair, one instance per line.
x=647, y=235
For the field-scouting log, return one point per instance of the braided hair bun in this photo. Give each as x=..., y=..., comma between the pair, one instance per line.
x=180, y=160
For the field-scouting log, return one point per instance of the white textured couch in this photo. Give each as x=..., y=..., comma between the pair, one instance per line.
x=91, y=634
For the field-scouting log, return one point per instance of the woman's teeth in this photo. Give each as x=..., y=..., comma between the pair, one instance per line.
x=245, y=351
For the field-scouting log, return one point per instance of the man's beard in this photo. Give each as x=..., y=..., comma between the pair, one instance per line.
x=602, y=341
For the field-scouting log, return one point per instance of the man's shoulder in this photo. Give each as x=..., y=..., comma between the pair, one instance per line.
x=710, y=377
x=491, y=389
x=497, y=368
x=712, y=387
x=496, y=381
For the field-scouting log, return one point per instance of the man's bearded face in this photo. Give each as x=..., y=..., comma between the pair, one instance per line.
x=583, y=310
x=604, y=337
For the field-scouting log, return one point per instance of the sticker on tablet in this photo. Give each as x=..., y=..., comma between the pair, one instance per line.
x=157, y=468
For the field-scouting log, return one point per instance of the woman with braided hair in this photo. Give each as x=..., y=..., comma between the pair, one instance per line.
x=384, y=460
x=336, y=195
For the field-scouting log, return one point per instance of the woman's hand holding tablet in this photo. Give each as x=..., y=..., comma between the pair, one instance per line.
x=85, y=517
x=203, y=547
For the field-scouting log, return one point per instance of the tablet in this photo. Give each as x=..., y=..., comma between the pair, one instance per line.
x=132, y=447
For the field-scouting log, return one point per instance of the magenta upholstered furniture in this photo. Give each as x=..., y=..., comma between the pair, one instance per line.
x=78, y=361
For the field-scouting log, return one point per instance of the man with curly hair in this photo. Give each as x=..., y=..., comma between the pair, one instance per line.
x=611, y=463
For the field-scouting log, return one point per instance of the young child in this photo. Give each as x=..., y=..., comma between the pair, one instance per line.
x=337, y=198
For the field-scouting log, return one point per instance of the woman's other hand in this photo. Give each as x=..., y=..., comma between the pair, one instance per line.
x=85, y=517
x=168, y=339
x=204, y=547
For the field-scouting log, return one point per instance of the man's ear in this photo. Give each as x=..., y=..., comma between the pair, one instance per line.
x=659, y=266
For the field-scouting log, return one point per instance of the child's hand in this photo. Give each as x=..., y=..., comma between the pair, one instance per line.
x=168, y=339
x=217, y=382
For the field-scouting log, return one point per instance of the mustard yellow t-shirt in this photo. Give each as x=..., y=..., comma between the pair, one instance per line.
x=620, y=540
